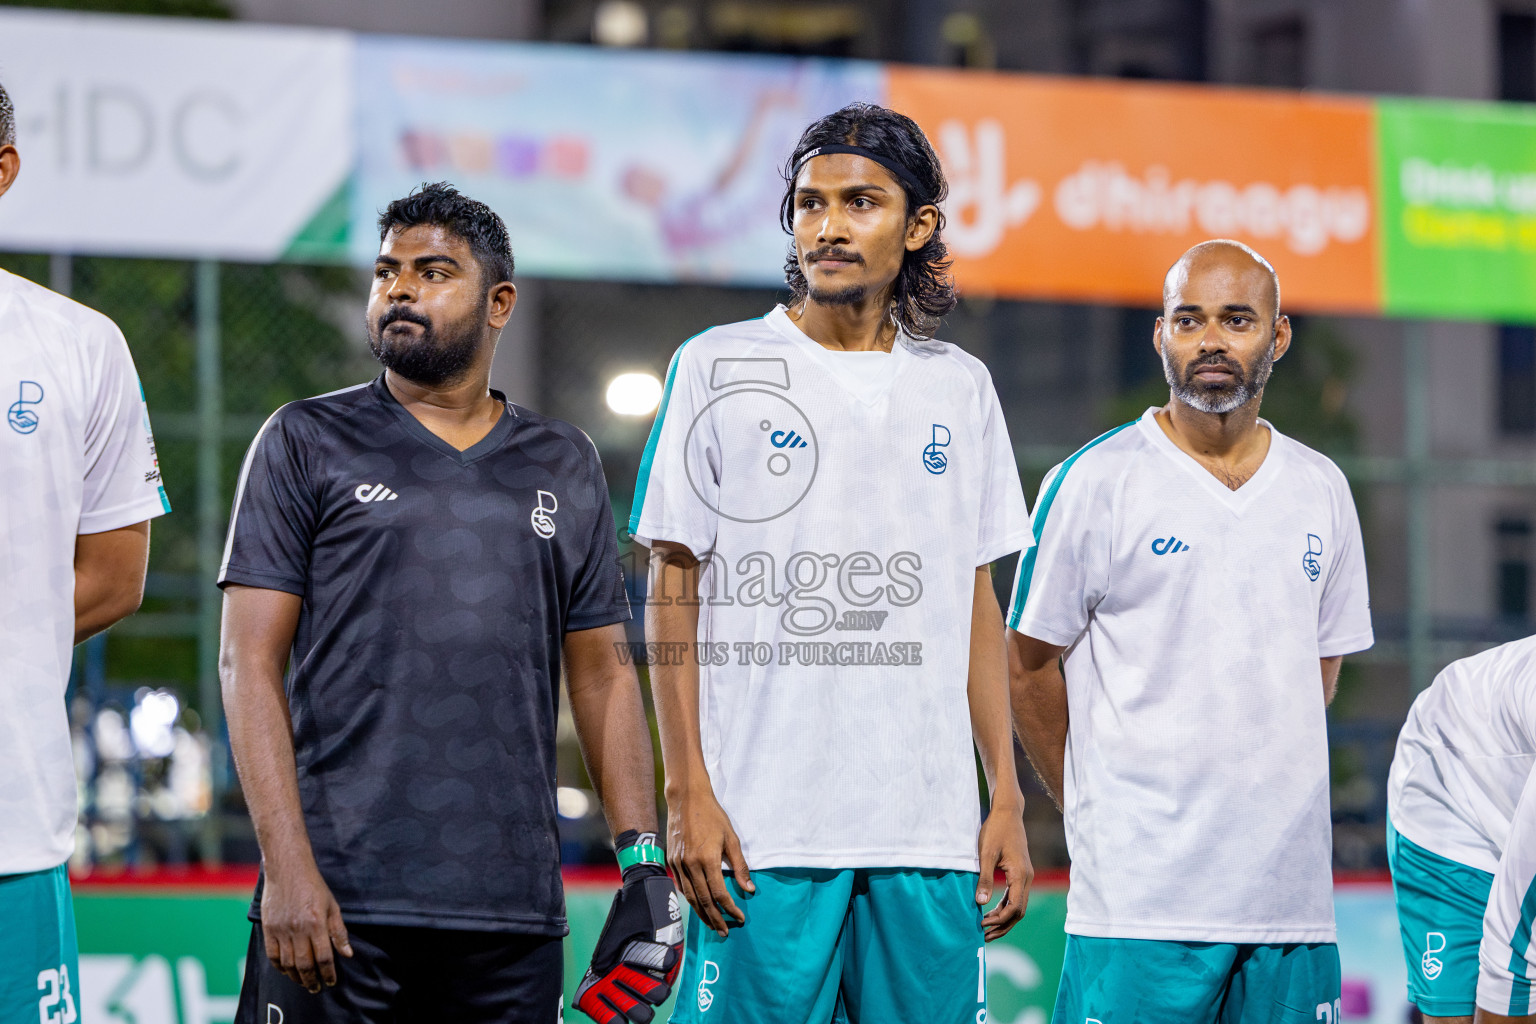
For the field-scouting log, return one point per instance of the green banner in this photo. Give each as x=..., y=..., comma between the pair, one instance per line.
x=1457, y=203
x=164, y=956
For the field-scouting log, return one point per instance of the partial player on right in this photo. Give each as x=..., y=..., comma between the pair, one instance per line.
x=1461, y=838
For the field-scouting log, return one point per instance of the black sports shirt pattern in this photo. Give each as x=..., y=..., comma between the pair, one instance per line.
x=437, y=588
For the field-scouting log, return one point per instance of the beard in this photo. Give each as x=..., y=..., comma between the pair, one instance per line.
x=847, y=295
x=430, y=360
x=1247, y=382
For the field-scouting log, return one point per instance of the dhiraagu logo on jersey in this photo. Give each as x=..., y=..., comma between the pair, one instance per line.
x=21, y=415
x=765, y=439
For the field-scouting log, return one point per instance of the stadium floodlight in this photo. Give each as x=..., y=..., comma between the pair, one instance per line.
x=152, y=723
x=619, y=23
x=634, y=394
x=571, y=802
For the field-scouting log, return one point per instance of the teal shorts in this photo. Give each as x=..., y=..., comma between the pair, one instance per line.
x=39, y=959
x=1149, y=981
x=1440, y=905
x=853, y=946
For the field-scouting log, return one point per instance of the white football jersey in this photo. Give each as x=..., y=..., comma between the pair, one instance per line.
x=78, y=457
x=1197, y=805
x=842, y=503
x=1464, y=755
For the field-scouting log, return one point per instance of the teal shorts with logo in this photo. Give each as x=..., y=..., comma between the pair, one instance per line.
x=1440, y=905
x=851, y=946
x=39, y=958
x=1151, y=981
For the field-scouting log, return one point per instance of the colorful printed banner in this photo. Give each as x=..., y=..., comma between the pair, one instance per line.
x=174, y=136
x=1089, y=190
x=144, y=136
x=637, y=166
x=1458, y=208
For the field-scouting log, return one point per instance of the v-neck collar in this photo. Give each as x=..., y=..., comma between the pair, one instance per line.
x=1239, y=500
x=866, y=376
x=479, y=450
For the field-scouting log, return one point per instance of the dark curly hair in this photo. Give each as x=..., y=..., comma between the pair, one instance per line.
x=7, y=119
x=441, y=205
x=925, y=292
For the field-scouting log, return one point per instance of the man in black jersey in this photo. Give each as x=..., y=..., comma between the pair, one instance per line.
x=424, y=556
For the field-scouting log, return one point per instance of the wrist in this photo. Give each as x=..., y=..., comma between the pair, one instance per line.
x=638, y=849
x=1007, y=799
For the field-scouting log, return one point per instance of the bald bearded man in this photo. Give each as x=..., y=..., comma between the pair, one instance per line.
x=1175, y=637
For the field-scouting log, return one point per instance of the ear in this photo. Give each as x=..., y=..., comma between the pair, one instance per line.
x=10, y=166
x=1157, y=337
x=502, y=300
x=921, y=226
x=1282, y=336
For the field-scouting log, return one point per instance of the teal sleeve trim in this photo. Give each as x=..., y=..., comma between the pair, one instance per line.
x=1519, y=945
x=643, y=478
x=1042, y=510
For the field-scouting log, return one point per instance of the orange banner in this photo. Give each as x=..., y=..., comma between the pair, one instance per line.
x=1088, y=190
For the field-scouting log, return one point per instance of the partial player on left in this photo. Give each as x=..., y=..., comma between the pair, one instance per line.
x=82, y=484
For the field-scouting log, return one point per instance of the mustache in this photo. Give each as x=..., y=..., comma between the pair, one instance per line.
x=410, y=316
x=834, y=253
x=1231, y=365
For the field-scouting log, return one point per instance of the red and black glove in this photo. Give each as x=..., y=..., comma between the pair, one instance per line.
x=640, y=950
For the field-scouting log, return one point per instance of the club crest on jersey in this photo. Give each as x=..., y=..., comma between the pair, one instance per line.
x=22, y=419
x=374, y=492
x=708, y=975
x=1168, y=546
x=1429, y=963
x=1309, y=563
x=934, y=459
x=543, y=525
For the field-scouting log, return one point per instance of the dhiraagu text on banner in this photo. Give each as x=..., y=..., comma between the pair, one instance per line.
x=1089, y=190
x=1458, y=208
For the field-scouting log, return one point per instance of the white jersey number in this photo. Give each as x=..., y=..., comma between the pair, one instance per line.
x=57, y=1005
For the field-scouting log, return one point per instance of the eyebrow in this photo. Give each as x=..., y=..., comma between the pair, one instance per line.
x=419, y=261
x=867, y=187
x=1231, y=307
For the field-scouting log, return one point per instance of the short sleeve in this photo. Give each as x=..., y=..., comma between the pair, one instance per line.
x=1344, y=614
x=272, y=524
x=668, y=506
x=1004, y=523
x=122, y=473
x=1064, y=574
x=597, y=596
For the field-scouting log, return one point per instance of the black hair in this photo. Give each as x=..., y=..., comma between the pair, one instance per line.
x=7, y=119
x=924, y=289
x=441, y=205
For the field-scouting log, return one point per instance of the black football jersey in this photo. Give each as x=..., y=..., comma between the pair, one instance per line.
x=438, y=586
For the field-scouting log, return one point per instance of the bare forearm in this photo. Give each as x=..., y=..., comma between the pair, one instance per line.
x=610, y=723
x=1038, y=693
x=261, y=739
x=672, y=623
x=987, y=693
x=1040, y=715
x=1330, y=668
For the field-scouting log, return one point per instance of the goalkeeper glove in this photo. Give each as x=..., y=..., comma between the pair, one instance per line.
x=640, y=950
